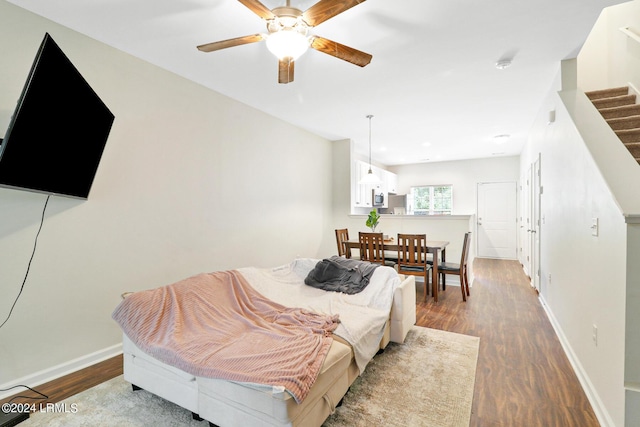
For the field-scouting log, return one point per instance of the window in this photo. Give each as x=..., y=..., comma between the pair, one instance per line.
x=431, y=200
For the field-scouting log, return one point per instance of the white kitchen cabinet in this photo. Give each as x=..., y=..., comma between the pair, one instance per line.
x=391, y=182
x=361, y=194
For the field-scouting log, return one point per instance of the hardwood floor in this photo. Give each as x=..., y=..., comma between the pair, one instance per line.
x=523, y=377
x=71, y=384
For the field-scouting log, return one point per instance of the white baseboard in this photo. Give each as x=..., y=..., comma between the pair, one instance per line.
x=596, y=403
x=58, y=371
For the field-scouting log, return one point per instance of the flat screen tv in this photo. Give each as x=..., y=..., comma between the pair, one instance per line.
x=58, y=131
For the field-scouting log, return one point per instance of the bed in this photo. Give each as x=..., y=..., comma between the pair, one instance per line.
x=350, y=329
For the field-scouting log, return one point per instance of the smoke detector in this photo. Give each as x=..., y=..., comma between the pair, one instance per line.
x=503, y=63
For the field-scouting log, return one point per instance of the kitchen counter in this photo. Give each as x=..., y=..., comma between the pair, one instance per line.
x=419, y=217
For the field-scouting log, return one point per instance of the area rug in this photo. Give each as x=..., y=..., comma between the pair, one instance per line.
x=427, y=381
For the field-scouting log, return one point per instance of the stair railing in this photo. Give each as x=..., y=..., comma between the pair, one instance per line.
x=631, y=34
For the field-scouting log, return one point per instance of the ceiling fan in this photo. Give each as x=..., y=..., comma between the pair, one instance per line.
x=288, y=37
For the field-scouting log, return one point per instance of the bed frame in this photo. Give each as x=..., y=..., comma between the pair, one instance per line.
x=226, y=403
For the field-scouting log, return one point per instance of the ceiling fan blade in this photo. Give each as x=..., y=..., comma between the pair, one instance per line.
x=341, y=51
x=285, y=70
x=223, y=44
x=326, y=9
x=258, y=8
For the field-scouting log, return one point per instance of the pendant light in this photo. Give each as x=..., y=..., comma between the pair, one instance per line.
x=370, y=178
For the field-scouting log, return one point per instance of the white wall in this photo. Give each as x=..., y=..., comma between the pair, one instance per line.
x=616, y=53
x=464, y=175
x=587, y=285
x=587, y=173
x=632, y=343
x=609, y=58
x=190, y=181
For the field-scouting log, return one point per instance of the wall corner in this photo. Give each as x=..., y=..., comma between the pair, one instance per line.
x=569, y=74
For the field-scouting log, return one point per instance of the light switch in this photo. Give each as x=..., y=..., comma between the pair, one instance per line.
x=594, y=226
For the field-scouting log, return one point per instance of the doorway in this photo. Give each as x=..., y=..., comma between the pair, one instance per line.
x=497, y=220
x=535, y=192
x=525, y=222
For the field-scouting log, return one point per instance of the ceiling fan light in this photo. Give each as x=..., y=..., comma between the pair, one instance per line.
x=287, y=43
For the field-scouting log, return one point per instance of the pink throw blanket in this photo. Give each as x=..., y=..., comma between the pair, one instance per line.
x=217, y=326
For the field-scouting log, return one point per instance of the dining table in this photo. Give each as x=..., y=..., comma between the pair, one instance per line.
x=437, y=248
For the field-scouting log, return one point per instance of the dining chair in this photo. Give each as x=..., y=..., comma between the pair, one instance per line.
x=412, y=257
x=342, y=236
x=372, y=248
x=445, y=268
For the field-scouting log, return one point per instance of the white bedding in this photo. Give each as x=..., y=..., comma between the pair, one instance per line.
x=362, y=316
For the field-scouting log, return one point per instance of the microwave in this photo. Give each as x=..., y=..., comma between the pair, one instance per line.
x=377, y=197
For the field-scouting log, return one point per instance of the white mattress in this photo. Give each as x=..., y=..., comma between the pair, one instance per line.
x=362, y=316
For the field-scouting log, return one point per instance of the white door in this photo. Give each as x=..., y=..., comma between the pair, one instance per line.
x=497, y=220
x=525, y=220
x=536, y=190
